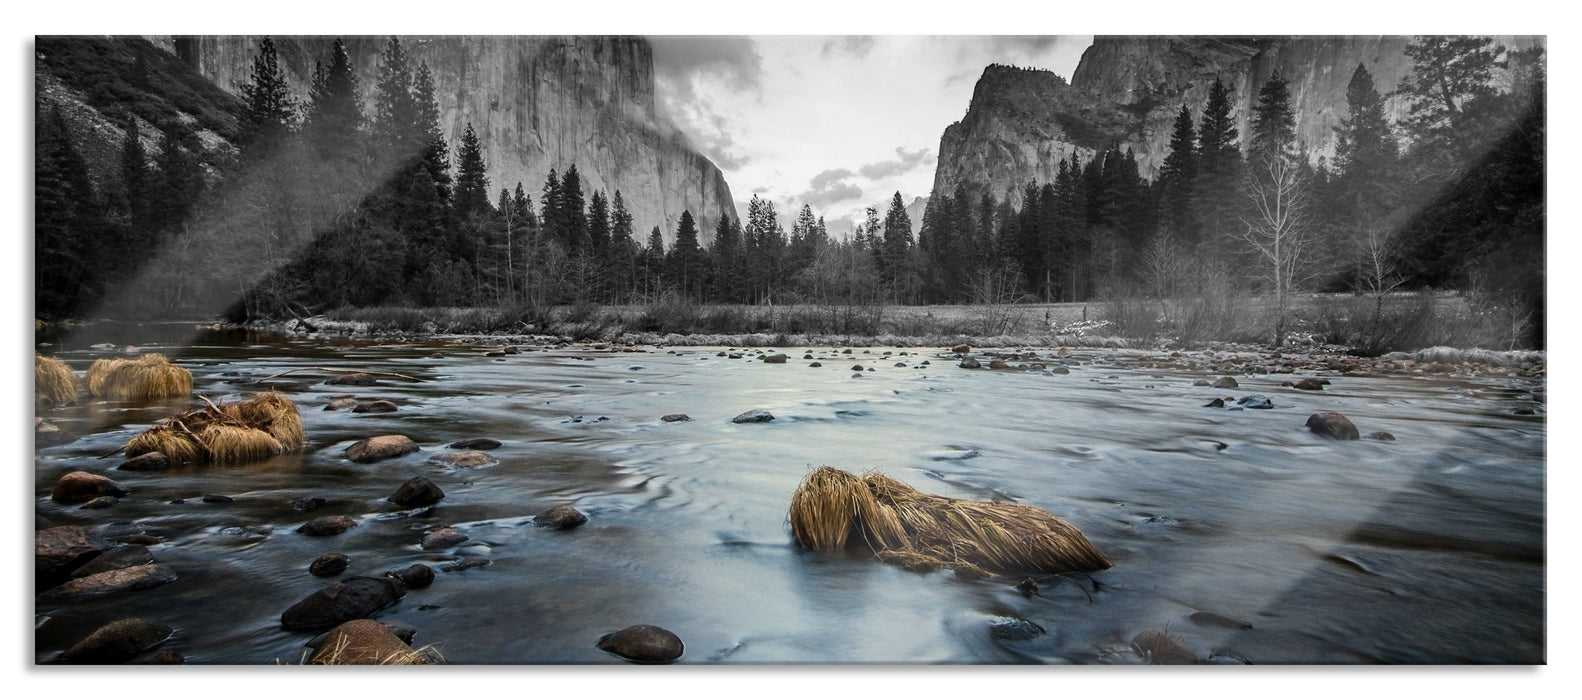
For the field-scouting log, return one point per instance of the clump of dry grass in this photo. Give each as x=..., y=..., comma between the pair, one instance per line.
x=255, y=428
x=54, y=384
x=833, y=510
x=148, y=377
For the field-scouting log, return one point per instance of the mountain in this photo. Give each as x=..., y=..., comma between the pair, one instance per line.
x=536, y=103
x=1021, y=122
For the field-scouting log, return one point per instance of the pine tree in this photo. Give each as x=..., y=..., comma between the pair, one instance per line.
x=436, y=152
x=270, y=113
x=397, y=130
x=686, y=263
x=599, y=223
x=1178, y=180
x=896, y=247
x=334, y=115
x=727, y=256
x=66, y=222
x=551, y=203
x=472, y=178
x=574, y=221
x=136, y=184
x=1273, y=122
x=1449, y=90
x=1219, y=171
x=623, y=248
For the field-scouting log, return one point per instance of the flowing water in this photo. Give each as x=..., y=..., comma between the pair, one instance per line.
x=1429, y=549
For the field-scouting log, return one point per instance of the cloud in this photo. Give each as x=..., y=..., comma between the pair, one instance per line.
x=829, y=187
x=855, y=46
x=682, y=65
x=903, y=162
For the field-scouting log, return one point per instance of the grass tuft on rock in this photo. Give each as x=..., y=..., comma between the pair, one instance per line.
x=54, y=384
x=833, y=510
x=146, y=378
x=249, y=430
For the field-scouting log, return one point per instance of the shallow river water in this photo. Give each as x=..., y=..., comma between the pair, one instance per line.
x=1429, y=549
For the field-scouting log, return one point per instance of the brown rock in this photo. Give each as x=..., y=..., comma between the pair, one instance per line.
x=58, y=551
x=560, y=518
x=1332, y=425
x=327, y=526
x=675, y=417
x=464, y=460
x=416, y=493
x=47, y=434
x=1381, y=435
x=81, y=487
x=1224, y=383
x=146, y=462
x=644, y=644
x=353, y=379
x=961, y=349
x=339, y=404
x=363, y=642
x=1310, y=384
x=382, y=447
x=342, y=601
x=443, y=537
x=118, y=642
x=331, y=564
x=132, y=578
x=998, y=364
x=380, y=406
x=415, y=576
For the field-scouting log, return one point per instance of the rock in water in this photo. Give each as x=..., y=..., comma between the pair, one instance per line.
x=362, y=642
x=1381, y=435
x=416, y=493
x=122, y=557
x=560, y=518
x=146, y=462
x=1255, y=401
x=339, y=404
x=464, y=460
x=132, y=578
x=775, y=359
x=756, y=415
x=644, y=644
x=379, y=406
x=1332, y=425
x=353, y=379
x=1224, y=383
x=57, y=551
x=332, y=564
x=327, y=526
x=81, y=487
x=342, y=601
x=475, y=444
x=118, y=642
x=1310, y=384
x=675, y=417
x=415, y=576
x=1014, y=629
x=383, y=447
x=443, y=537
x=969, y=363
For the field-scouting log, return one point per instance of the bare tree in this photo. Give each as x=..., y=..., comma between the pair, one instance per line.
x=1278, y=227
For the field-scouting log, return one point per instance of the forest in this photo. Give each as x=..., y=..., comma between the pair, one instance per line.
x=327, y=203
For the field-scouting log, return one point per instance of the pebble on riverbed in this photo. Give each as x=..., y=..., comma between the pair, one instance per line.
x=756, y=415
x=675, y=417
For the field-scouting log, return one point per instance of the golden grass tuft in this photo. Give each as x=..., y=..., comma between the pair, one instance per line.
x=146, y=378
x=249, y=430
x=833, y=510
x=343, y=652
x=54, y=384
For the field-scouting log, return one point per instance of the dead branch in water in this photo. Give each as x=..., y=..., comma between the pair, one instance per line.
x=342, y=371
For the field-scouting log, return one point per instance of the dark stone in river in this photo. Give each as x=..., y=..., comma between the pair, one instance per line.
x=81, y=487
x=379, y=406
x=1224, y=383
x=1381, y=435
x=416, y=493
x=382, y=447
x=644, y=644
x=1200, y=382
x=1216, y=403
x=1255, y=401
x=327, y=526
x=1212, y=619
x=121, y=557
x=443, y=537
x=146, y=462
x=58, y=551
x=132, y=578
x=353, y=379
x=475, y=444
x=969, y=363
x=118, y=642
x=756, y=415
x=463, y=460
x=47, y=434
x=856, y=368
x=415, y=576
x=101, y=503
x=217, y=498
x=1332, y=425
x=331, y=564
x=1309, y=384
x=1160, y=648
x=998, y=364
x=675, y=417
x=339, y=404
x=307, y=503
x=816, y=364
x=343, y=601
x=466, y=563
x=775, y=359
x=1014, y=629
x=1028, y=586
x=560, y=518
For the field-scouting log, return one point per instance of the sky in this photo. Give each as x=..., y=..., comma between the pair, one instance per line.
x=839, y=123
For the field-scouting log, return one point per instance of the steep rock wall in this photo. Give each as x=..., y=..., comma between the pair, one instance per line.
x=536, y=103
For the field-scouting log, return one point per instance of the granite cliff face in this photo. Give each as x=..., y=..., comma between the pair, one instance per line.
x=1129, y=89
x=536, y=103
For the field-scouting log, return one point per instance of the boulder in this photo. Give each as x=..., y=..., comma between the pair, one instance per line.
x=81, y=487
x=1309, y=384
x=416, y=493
x=1255, y=401
x=475, y=444
x=343, y=601
x=675, y=417
x=464, y=460
x=1215, y=403
x=998, y=364
x=1014, y=629
x=353, y=379
x=382, y=447
x=327, y=526
x=58, y=551
x=307, y=503
x=1332, y=425
x=756, y=415
x=856, y=368
x=1200, y=382
x=969, y=363
x=816, y=364
x=379, y=406
x=122, y=557
x=560, y=518
x=132, y=578
x=644, y=644
x=339, y=404
x=47, y=434
x=362, y=642
x=775, y=359
x=331, y=564
x=961, y=349
x=217, y=498
x=415, y=576
x=1224, y=383
x=146, y=462
x=443, y=537
x=118, y=642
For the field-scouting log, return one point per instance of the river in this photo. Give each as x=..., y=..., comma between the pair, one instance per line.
x=1427, y=549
